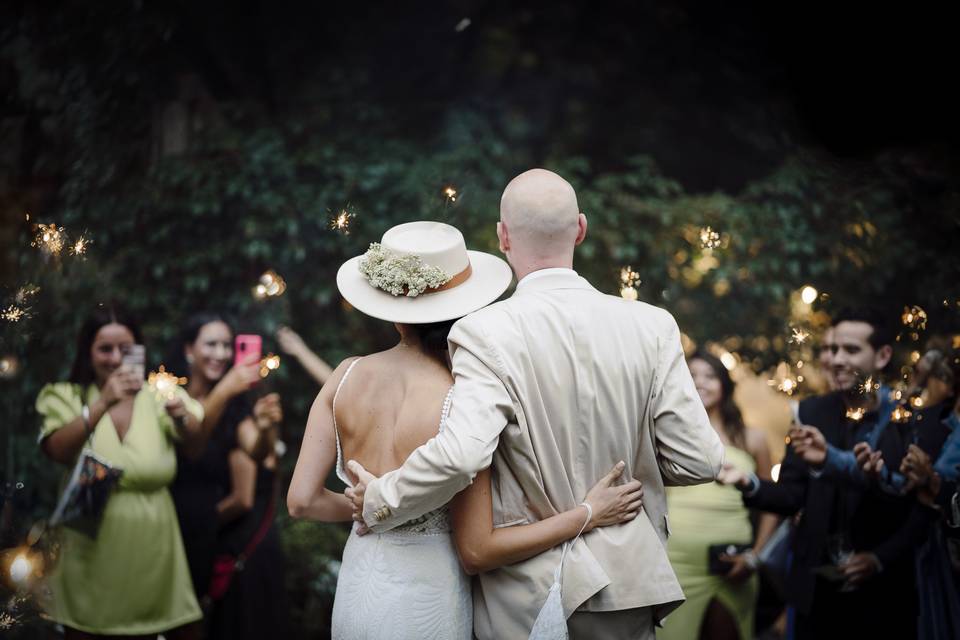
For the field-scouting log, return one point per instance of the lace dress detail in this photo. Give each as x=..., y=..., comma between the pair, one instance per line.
x=406, y=583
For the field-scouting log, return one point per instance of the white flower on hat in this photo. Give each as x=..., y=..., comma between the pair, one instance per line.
x=399, y=274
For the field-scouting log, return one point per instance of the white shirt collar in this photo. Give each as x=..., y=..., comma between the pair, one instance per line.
x=539, y=273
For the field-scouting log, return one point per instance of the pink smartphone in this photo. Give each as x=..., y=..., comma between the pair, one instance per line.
x=247, y=348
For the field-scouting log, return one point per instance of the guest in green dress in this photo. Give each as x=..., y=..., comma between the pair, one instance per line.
x=132, y=578
x=717, y=606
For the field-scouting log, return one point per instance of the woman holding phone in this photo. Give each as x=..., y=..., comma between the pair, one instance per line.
x=131, y=579
x=225, y=485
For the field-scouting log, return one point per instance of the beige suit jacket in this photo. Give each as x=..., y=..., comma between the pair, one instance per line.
x=553, y=386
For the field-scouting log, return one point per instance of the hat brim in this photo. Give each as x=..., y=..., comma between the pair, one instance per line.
x=490, y=278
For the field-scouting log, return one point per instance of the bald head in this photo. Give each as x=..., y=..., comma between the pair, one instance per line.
x=540, y=212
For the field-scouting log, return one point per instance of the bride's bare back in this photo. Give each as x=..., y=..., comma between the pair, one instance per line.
x=389, y=405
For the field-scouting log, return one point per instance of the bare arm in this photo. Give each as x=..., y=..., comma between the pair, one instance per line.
x=308, y=497
x=243, y=486
x=688, y=449
x=294, y=345
x=482, y=547
x=237, y=380
x=257, y=435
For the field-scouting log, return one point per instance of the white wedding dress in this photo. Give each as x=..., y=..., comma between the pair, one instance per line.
x=404, y=584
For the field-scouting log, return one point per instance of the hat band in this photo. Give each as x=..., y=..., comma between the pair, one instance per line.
x=455, y=281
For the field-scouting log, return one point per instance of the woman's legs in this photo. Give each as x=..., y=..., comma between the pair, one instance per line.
x=718, y=623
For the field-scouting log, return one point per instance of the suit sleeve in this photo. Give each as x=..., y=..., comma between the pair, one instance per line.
x=688, y=449
x=446, y=464
x=788, y=494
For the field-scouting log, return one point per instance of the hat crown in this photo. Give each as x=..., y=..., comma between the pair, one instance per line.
x=437, y=244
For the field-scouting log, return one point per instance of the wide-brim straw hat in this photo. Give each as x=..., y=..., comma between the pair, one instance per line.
x=474, y=278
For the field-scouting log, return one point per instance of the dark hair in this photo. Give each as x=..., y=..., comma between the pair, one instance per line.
x=881, y=335
x=109, y=313
x=729, y=411
x=176, y=361
x=433, y=335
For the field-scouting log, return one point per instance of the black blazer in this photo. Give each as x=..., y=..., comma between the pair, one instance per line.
x=888, y=526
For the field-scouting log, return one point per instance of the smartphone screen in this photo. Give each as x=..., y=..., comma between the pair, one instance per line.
x=135, y=360
x=247, y=348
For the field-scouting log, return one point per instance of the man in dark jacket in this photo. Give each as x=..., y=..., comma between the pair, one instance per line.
x=851, y=568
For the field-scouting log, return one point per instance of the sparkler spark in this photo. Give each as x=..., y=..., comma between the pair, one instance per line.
x=450, y=193
x=164, y=383
x=709, y=239
x=784, y=380
x=49, y=238
x=856, y=413
x=270, y=363
x=13, y=313
x=21, y=569
x=868, y=386
x=270, y=285
x=341, y=222
x=26, y=292
x=799, y=335
x=914, y=317
x=900, y=414
x=79, y=246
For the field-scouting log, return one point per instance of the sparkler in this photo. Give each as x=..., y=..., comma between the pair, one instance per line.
x=900, y=414
x=270, y=363
x=79, y=246
x=450, y=193
x=916, y=402
x=164, y=383
x=341, y=222
x=799, y=335
x=856, y=413
x=270, y=285
x=13, y=313
x=628, y=279
x=50, y=239
x=868, y=386
x=784, y=380
x=914, y=317
x=26, y=292
x=709, y=239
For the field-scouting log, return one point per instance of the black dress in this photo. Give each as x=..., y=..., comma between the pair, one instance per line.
x=198, y=487
x=255, y=604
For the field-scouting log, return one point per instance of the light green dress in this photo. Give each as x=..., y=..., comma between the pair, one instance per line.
x=133, y=578
x=701, y=516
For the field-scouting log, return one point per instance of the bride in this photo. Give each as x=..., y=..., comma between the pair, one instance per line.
x=412, y=581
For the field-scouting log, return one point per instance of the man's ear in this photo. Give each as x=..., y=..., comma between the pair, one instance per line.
x=581, y=229
x=504, y=236
x=882, y=358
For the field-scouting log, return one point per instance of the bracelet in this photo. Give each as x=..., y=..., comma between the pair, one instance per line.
x=589, y=514
x=85, y=414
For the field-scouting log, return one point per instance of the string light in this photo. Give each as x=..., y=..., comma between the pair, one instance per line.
x=914, y=317
x=629, y=280
x=9, y=366
x=709, y=239
x=164, y=383
x=270, y=363
x=270, y=285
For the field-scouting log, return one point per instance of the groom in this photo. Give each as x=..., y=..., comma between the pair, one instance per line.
x=553, y=386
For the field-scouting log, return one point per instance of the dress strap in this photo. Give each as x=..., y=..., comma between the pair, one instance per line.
x=336, y=431
x=446, y=409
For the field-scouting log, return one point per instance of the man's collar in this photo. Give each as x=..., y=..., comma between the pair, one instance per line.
x=552, y=278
